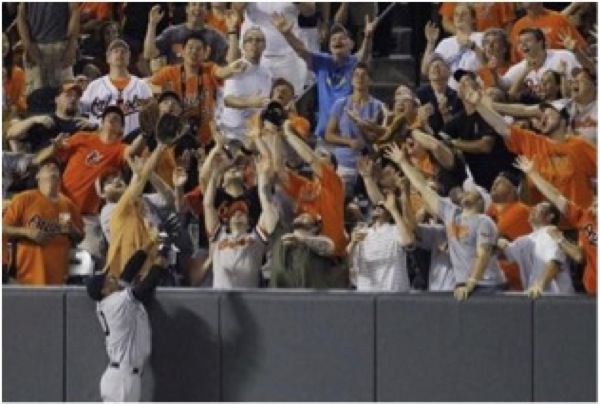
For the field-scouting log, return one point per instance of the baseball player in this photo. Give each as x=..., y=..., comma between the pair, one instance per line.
x=124, y=321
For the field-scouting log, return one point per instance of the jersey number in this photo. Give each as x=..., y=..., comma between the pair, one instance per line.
x=104, y=324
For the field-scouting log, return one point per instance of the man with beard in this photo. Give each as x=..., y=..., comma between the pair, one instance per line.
x=568, y=162
x=471, y=235
x=584, y=219
x=35, y=133
x=584, y=106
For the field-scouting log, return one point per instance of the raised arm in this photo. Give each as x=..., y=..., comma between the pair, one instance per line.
x=269, y=217
x=154, y=17
x=211, y=216
x=440, y=151
x=232, y=21
x=285, y=28
x=547, y=189
x=484, y=103
x=142, y=175
x=365, y=169
x=235, y=67
x=405, y=237
x=418, y=181
x=303, y=150
x=306, y=8
x=432, y=34
x=366, y=49
x=571, y=44
x=517, y=110
x=56, y=144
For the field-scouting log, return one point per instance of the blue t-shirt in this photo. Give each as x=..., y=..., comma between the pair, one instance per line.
x=372, y=111
x=333, y=82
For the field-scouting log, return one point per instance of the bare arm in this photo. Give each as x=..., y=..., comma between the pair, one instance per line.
x=574, y=251
x=418, y=181
x=440, y=151
x=432, y=33
x=405, y=237
x=333, y=135
x=74, y=26
x=135, y=148
x=150, y=49
x=303, y=150
x=366, y=49
x=285, y=28
x=18, y=129
x=245, y=102
x=269, y=217
x=484, y=109
x=211, y=217
x=232, y=68
x=517, y=86
x=547, y=189
x=138, y=181
x=480, y=146
x=341, y=16
x=232, y=19
x=517, y=110
x=365, y=168
x=551, y=269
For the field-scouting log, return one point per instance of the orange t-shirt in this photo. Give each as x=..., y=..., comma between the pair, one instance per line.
x=15, y=89
x=88, y=158
x=512, y=221
x=198, y=95
x=488, y=15
x=129, y=232
x=323, y=196
x=567, y=165
x=99, y=11
x=36, y=264
x=552, y=23
x=488, y=78
x=587, y=225
x=216, y=22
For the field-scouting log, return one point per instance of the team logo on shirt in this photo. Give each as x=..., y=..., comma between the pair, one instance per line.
x=93, y=158
x=591, y=234
x=233, y=244
x=128, y=107
x=46, y=225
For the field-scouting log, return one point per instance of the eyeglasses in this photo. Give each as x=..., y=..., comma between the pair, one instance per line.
x=254, y=39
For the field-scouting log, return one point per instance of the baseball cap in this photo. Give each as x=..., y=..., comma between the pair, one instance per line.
x=236, y=206
x=94, y=286
x=558, y=105
x=460, y=73
x=116, y=110
x=336, y=28
x=117, y=43
x=66, y=87
x=171, y=94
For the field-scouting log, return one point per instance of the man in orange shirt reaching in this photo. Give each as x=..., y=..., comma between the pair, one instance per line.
x=88, y=155
x=45, y=223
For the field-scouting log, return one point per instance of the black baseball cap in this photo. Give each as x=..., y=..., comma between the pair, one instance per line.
x=94, y=286
x=460, y=73
x=116, y=110
x=558, y=105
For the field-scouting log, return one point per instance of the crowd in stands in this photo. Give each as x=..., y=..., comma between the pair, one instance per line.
x=125, y=124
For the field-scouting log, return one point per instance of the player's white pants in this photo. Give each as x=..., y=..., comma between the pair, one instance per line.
x=118, y=385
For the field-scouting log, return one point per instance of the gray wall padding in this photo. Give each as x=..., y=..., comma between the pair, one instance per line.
x=32, y=345
x=433, y=348
x=565, y=349
x=184, y=365
x=297, y=346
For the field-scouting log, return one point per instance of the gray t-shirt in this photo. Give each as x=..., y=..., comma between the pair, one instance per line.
x=465, y=235
x=170, y=43
x=432, y=237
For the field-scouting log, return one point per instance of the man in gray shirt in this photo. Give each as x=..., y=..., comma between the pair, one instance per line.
x=471, y=234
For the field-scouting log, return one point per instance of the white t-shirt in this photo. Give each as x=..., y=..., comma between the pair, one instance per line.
x=237, y=260
x=101, y=93
x=534, y=78
x=459, y=57
x=259, y=14
x=126, y=327
x=532, y=252
x=381, y=261
x=432, y=237
x=584, y=121
x=255, y=81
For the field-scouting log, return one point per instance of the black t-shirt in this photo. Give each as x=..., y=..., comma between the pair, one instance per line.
x=426, y=95
x=449, y=178
x=484, y=167
x=39, y=136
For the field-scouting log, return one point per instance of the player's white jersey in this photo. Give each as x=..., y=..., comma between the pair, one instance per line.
x=126, y=327
x=101, y=93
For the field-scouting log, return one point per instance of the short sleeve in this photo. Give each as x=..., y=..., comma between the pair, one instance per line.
x=14, y=212
x=513, y=250
x=161, y=77
x=487, y=232
x=336, y=109
x=522, y=141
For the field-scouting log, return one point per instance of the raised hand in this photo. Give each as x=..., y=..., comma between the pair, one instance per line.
x=389, y=201
x=232, y=20
x=523, y=164
x=179, y=177
x=432, y=32
x=155, y=15
x=370, y=26
x=567, y=40
x=365, y=166
x=263, y=165
x=281, y=23
x=394, y=153
x=61, y=141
